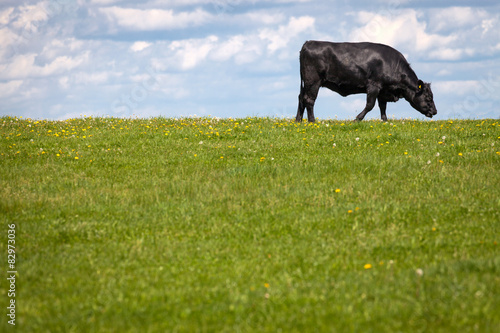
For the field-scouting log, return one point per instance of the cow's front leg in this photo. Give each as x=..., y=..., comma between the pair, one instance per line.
x=371, y=98
x=310, y=114
x=382, y=104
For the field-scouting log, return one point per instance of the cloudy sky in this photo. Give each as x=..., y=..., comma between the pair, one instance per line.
x=233, y=58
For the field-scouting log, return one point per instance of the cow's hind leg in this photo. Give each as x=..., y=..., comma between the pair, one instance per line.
x=300, y=109
x=310, y=96
x=371, y=98
x=307, y=98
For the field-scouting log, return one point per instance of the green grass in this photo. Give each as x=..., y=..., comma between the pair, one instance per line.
x=256, y=224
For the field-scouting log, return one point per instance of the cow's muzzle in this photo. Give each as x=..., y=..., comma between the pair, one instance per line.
x=431, y=113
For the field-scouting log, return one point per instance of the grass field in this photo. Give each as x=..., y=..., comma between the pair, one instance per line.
x=255, y=224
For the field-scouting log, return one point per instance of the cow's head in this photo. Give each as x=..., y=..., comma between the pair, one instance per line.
x=423, y=100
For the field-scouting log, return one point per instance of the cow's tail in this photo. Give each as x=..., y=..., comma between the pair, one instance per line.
x=303, y=60
x=301, y=94
x=301, y=106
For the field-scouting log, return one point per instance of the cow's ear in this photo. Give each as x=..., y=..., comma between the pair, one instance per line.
x=420, y=85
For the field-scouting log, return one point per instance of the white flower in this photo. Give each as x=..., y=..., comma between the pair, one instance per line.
x=428, y=162
x=201, y=142
x=437, y=154
x=357, y=139
x=419, y=271
x=444, y=137
x=335, y=145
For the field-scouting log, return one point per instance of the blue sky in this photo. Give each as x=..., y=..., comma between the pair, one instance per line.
x=61, y=59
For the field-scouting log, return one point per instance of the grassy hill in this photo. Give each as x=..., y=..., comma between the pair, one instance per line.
x=255, y=224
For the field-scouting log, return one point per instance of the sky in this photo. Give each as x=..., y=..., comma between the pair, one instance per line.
x=62, y=59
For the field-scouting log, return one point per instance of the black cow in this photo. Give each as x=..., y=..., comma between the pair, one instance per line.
x=377, y=70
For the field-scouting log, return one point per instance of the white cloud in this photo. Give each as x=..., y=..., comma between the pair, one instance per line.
x=475, y=28
x=23, y=66
x=173, y=86
x=444, y=72
x=154, y=19
x=7, y=38
x=170, y=3
x=229, y=48
x=139, y=46
x=244, y=49
x=487, y=25
x=63, y=82
x=455, y=88
x=448, y=34
x=483, y=89
x=60, y=47
x=404, y=30
x=451, y=18
x=104, y=2
x=10, y=88
x=228, y=5
x=189, y=53
x=5, y=15
x=262, y=17
x=29, y=16
x=91, y=78
x=451, y=53
x=279, y=39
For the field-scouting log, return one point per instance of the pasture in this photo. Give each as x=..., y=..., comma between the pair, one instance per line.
x=255, y=224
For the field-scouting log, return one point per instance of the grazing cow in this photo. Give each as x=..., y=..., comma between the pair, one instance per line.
x=377, y=70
